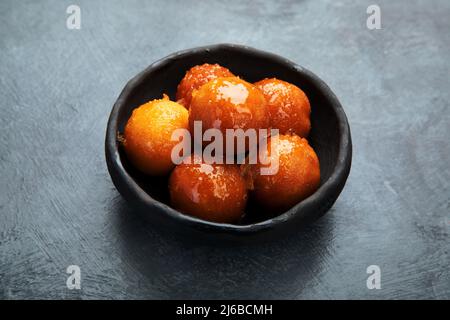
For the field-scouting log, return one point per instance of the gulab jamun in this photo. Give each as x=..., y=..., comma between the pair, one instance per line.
x=296, y=176
x=147, y=137
x=229, y=103
x=288, y=106
x=213, y=192
x=196, y=77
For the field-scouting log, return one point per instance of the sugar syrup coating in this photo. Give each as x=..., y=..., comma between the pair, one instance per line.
x=298, y=174
x=213, y=192
x=196, y=77
x=288, y=105
x=148, y=132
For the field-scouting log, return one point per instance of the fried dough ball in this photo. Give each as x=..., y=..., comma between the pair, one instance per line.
x=297, y=177
x=288, y=106
x=214, y=192
x=229, y=103
x=147, y=136
x=196, y=77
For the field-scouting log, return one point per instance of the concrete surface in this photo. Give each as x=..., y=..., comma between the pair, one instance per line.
x=60, y=208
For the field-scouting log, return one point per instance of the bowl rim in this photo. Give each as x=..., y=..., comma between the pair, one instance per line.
x=341, y=170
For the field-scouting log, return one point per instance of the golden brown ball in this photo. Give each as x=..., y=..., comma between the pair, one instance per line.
x=196, y=77
x=296, y=177
x=209, y=191
x=148, y=132
x=229, y=103
x=288, y=106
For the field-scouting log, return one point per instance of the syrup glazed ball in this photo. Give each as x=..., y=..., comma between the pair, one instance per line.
x=229, y=103
x=288, y=105
x=215, y=192
x=298, y=174
x=147, y=136
x=196, y=77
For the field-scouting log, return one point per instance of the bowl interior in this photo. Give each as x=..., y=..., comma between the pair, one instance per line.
x=251, y=65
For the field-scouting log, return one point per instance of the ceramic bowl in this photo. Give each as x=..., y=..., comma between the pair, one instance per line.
x=330, y=138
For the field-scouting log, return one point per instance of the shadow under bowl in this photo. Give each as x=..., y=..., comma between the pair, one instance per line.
x=330, y=137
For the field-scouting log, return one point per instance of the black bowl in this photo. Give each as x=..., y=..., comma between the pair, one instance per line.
x=330, y=137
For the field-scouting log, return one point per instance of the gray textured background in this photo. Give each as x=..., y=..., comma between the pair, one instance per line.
x=59, y=206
